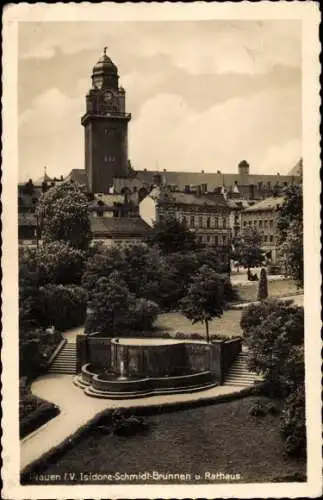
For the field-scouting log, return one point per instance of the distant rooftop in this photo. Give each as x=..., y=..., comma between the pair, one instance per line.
x=118, y=226
x=267, y=204
x=179, y=198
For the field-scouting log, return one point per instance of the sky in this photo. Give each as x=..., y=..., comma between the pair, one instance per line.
x=204, y=95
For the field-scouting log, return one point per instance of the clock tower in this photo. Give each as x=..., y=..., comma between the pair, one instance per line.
x=106, y=128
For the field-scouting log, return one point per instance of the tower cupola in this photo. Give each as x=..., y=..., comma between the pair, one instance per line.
x=105, y=73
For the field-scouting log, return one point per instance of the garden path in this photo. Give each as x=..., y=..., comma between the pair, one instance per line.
x=77, y=409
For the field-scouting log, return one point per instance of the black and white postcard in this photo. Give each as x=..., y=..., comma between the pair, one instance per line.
x=161, y=250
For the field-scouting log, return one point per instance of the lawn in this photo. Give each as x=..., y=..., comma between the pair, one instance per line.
x=221, y=438
x=276, y=288
x=227, y=325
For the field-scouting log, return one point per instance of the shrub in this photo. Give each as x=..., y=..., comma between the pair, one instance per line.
x=142, y=314
x=130, y=426
x=38, y=417
x=62, y=306
x=263, y=285
x=180, y=335
x=293, y=423
x=164, y=335
x=258, y=410
x=274, y=334
x=196, y=336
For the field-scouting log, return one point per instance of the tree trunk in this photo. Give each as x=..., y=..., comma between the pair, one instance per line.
x=207, y=331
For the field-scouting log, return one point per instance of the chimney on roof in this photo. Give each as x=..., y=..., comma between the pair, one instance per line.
x=218, y=172
x=202, y=171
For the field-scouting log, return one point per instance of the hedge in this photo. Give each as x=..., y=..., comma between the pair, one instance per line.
x=37, y=418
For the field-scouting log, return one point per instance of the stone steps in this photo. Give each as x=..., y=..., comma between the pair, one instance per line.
x=90, y=391
x=239, y=374
x=65, y=362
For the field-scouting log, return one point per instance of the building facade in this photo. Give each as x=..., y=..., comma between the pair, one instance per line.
x=207, y=217
x=263, y=217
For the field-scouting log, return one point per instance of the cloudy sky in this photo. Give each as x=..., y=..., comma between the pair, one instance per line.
x=203, y=95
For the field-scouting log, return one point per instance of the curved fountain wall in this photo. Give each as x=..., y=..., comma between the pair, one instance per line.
x=142, y=367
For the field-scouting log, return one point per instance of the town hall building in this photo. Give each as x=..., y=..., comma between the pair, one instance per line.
x=119, y=190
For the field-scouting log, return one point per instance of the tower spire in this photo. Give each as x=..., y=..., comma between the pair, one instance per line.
x=105, y=51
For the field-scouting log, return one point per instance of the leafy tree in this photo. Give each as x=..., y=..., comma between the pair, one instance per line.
x=290, y=210
x=59, y=263
x=263, y=285
x=130, y=262
x=248, y=251
x=271, y=330
x=55, y=263
x=109, y=303
x=171, y=235
x=290, y=226
x=63, y=212
x=114, y=310
x=210, y=257
x=291, y=252
x=205, y=298
x=62, y=306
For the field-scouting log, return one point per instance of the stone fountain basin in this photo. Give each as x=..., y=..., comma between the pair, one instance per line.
x=133, y=341
x=110, y=383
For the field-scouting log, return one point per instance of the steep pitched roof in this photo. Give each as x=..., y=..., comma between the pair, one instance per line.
x=77, y=175
x=211, y=179
x=118, y=226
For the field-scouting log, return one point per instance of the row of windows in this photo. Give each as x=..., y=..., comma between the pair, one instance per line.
x=259, y=223
x=267, y=239
x=213, y=239
x=204, y=221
